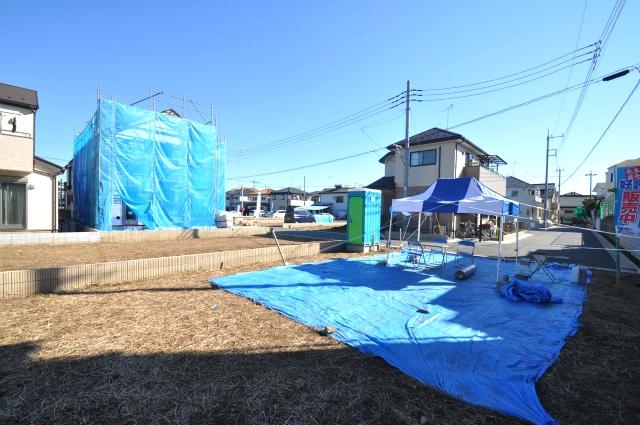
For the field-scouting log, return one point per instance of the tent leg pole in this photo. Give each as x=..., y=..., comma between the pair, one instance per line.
x=419, y=224
x=500, y=250
x=515, y=221
x=389, y=237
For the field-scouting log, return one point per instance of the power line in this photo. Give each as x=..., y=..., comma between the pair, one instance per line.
x=603, y=133
x=537, y=99
x=365, y=113
x=584, y=10
x=499, y=88
x=507, y=76
x=310, y=165
x=271, y=147
x=593, y=81
x=604, y=38
x=397, y=100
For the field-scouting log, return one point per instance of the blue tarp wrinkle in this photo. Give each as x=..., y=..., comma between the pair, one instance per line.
x=517, y=290
x=472, y=343
x=169, y=171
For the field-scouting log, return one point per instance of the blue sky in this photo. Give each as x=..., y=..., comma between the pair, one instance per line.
x=276, y=69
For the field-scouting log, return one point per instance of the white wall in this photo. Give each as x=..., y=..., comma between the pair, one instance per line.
x=40, y=202
x=16, y=149
x=338, y=209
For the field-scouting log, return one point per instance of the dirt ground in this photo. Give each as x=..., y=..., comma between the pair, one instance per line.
x=173, y=350
x=20, y=257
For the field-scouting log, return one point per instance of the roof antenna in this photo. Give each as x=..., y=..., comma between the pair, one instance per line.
x=448, y=109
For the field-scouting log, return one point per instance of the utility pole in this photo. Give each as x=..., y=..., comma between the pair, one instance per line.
x=407, y=100
x=559, y=179
x=304, y=189
x=546, y=179
x=590, y=174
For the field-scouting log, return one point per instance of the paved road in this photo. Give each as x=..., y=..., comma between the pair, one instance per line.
x=564, y=245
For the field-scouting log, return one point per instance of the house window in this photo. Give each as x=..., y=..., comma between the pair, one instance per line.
x=514, y=193
x=532, y=192
x=339, y=199
x=13, y=205
x=611, y=177
x=470, y=158
x=427, y=157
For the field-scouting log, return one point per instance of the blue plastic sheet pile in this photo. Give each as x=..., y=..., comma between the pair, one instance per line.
x=517, y=290
x=461, y=338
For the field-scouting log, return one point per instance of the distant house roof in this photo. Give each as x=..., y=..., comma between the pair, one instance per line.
x=383, y=183
x=433, y=135
x=336, y=189
x=516, y=182
x=599, y=186
x=627, y=163
x=572, y=194
x=246, y=191
x=289, y=190
x=18, y=96
x=47, y=166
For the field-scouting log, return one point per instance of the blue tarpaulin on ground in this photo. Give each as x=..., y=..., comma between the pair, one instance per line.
x=168, y=170
x=517, y=290
x=472, y=344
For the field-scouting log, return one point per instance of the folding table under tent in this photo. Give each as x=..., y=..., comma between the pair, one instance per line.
x=464, y=195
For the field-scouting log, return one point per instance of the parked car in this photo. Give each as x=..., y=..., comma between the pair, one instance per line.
x=278, y=214
x=298, y=215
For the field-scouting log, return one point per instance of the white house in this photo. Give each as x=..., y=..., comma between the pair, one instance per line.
x=568, y=204
x=247, y=197
x=336, y=199
x=289, y=196
x=528, y=195
x=28, y=184
x=600, y=190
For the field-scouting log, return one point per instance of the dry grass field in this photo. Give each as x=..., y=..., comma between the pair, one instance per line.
x=173, y=350
x=20, y=257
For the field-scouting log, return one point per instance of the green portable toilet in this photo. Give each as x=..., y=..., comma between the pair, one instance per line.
x=364, y=208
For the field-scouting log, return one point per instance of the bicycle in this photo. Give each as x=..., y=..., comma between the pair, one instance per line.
x=467, y=231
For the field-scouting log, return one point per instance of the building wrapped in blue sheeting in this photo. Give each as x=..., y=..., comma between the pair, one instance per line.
x=134, y=168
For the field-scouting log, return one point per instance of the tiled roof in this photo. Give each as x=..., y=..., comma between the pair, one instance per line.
x=289, y=190
x=18, y=96
x=387, y=182
x=433, y=135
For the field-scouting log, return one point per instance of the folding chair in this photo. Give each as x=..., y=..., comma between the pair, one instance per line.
x=526, y=269
x=541, y=264
x=440, y=249
x=414, y=253
x=465, y=249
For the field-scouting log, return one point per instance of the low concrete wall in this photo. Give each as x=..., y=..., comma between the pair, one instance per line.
x=182, y=234
x=23, y=283
x=24, y=238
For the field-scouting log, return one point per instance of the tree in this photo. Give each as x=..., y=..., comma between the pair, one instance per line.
x=591, y=206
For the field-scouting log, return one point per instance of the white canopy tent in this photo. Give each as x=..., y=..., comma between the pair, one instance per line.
x=461, y=195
